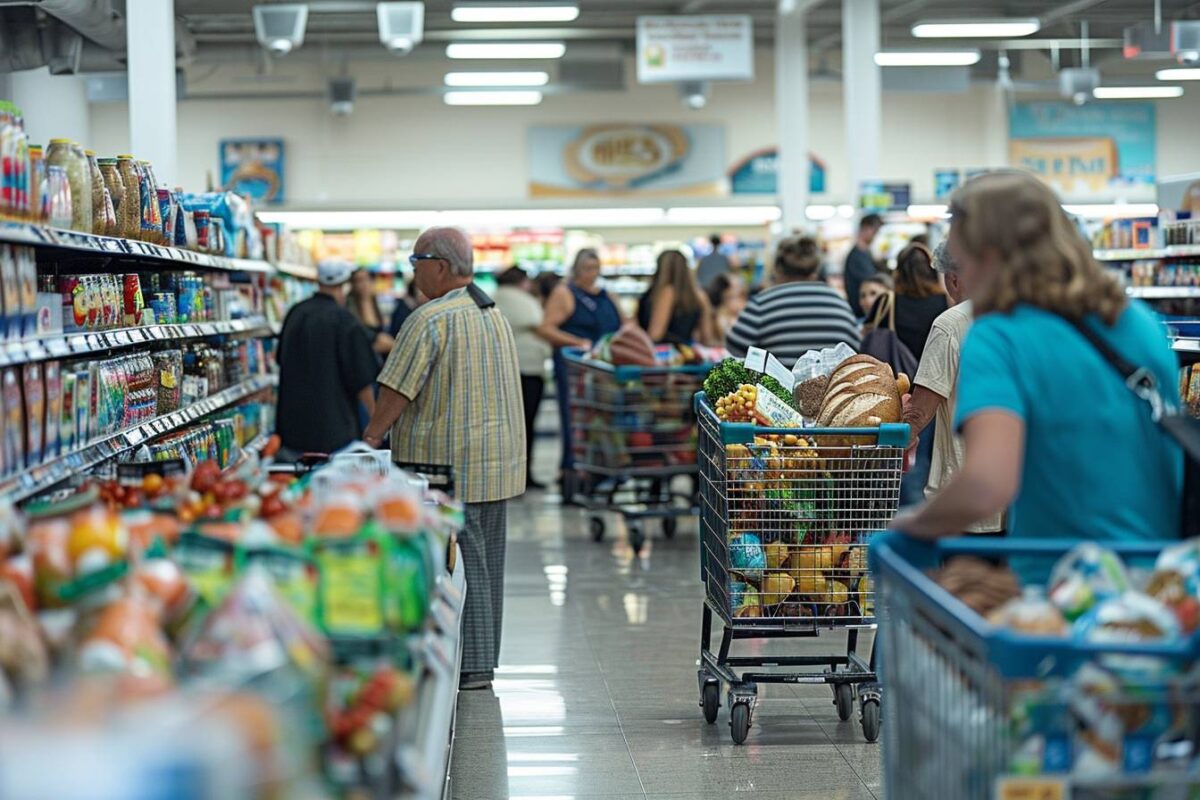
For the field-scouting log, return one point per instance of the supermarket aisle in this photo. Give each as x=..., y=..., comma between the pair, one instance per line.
x=596, y=695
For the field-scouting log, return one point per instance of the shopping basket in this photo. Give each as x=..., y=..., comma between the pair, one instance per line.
x=784, y=517
x=632, y=431
x=986, y=712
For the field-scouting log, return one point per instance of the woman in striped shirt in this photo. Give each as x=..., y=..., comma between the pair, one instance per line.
x=798, y=313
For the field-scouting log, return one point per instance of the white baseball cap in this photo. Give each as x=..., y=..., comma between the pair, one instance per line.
x=333, y=272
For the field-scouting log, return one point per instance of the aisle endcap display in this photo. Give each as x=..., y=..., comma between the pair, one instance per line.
x=44, y=476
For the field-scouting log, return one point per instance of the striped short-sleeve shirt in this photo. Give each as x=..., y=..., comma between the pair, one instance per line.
x=457, y=364
x=790, y=319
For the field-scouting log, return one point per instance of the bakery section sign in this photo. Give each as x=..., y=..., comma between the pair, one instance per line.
x=713, y=47
x=253, y=168
x=626, y=159
x=1094, y=151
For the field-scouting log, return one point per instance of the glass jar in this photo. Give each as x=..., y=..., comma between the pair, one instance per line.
x=97, y=183
x=58, y=197
x=63, y=153
x=151, y=216
x=131, y=197
x=111, y=175
x=37, y=176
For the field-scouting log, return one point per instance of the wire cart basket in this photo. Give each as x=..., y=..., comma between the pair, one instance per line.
x=632, y=431
x=993, y=713
x=784, y=518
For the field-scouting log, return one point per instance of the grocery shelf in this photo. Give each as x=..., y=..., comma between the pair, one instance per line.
x=1142, y=253
x=1163, y=292
x=44, y=476
x=1187, y=349
x=24, y=233
x=426, y=746
x=65, y=345
x=297, y=271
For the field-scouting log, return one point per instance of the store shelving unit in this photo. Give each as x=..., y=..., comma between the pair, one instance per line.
x=42, y=477
x=426, y=743
x=1145, y=253
x=1163, y=292
x=1188, y=349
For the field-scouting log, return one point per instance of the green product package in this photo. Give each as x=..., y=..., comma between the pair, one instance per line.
x=408, y=584
x=208, y=563
x=352, y=582
x=293, y=573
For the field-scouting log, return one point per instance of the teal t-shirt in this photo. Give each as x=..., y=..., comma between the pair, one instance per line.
x=1096, y=465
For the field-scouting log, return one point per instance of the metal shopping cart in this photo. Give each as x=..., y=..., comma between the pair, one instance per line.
x=992, y=713
x=632, y=431
x=784, y=516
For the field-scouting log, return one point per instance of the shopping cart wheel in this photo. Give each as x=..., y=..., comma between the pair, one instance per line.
x=870, y=720
x=843, y=698
x=670, y=524
x=597, y=527
x=637, y=536
x=710, y=701
x=739, y=721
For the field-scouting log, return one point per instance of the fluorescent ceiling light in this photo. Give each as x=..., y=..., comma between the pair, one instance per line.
x=931, y=211
x=555, y=12
x=975, y=28
x=1136, y=92
x=722, y=215
x=1111, y=210
x=525, y=97
x=1178, y=74
x=497, y=78
x=927, y=58
x=505, y=50
x=820, y=213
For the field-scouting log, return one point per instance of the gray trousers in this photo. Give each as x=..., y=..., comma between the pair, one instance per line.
x=483, y=541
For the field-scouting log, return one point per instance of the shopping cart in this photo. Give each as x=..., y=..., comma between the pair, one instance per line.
x=784, y=516
x=632, y=432
x=991, y=713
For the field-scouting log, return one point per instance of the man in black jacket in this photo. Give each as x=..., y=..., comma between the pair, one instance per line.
x=859, y=264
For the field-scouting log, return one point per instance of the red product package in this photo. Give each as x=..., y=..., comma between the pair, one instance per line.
x=34, y=392
x=53, y=381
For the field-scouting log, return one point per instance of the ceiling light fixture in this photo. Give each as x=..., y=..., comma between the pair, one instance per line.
x=280, y=27
x=1179, y=74
x=497, y=78
x=975, y=28
x=1136, y=92
x=502, y=50
x=492, y=12
x=514, y=98
x=927, y=58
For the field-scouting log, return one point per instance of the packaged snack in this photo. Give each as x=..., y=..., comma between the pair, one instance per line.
x=27, y=275
x=132, y=301
x=34, y=392
x=10, y=287
x=1030, y=613
x=1085, y=576
x=66, y=418
x=14, y=420
x=127, y=639
x=84, y=400
x=352, y=584
x=53, y=382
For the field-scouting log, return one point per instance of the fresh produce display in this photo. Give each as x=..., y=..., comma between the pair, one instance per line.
x=292, y=600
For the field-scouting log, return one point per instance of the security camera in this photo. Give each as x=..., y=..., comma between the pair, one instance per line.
x=280, y=27
x=342, y=92
x=694, y=94
x=401, y=26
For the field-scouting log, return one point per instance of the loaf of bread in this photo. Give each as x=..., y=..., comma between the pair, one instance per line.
x=862, y=392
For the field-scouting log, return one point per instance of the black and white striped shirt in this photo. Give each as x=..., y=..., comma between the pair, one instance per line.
x=790, y=319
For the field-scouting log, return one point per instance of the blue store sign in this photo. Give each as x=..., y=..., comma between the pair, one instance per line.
x=758, y=173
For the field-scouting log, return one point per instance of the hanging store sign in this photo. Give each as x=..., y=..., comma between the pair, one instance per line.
x=717, y=47
x=877, y=196
x=945, y=181
x=758, y=173
x=607, y=160
x=1094, y=151
x=254, y=168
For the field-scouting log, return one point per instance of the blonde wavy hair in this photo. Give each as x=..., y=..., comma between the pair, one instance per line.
x=1044, y=261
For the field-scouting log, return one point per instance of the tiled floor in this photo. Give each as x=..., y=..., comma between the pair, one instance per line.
x=597, y=695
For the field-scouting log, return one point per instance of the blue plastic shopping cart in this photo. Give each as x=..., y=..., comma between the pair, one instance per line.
x=985, y=712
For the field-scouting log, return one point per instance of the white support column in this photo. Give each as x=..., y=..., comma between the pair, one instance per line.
x=860, y=90
x=995, y=127
x=791, y=113
x=151, y=44
x=55, y=106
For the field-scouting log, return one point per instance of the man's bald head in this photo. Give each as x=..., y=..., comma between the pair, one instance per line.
x=451, y=244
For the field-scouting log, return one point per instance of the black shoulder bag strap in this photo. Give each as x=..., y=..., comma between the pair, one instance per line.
x=480, y=297
x=1177, y=424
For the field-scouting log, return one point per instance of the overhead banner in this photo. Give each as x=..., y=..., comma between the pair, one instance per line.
x=608, y=160
x=1093, y=151
x=718, y=47
x=878, y=196
x=758, y=173
x=253, y=167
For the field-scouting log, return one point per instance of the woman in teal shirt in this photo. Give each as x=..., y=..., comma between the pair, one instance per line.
x=1052, y=434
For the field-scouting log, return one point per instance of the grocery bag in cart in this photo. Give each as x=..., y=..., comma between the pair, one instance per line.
x=1083, y=687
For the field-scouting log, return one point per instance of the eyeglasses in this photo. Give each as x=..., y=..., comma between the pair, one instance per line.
x=415, y=257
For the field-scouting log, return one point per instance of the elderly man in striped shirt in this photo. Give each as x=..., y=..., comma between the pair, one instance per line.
x=450, y=393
